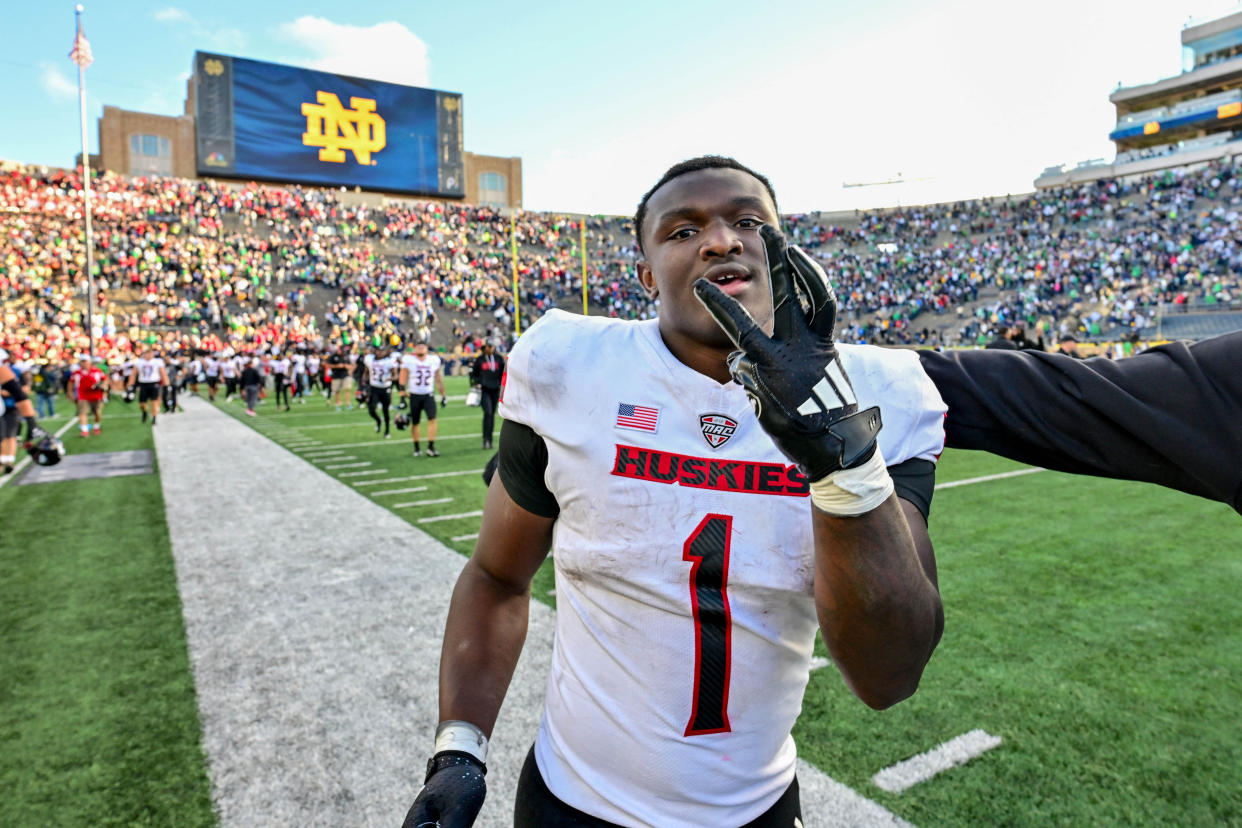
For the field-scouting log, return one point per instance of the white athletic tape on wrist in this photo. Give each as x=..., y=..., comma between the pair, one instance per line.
x=461, y=736
x=853, y=492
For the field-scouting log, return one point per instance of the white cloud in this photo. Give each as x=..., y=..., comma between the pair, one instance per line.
x=56, y=83
x=386, y=51
x=172, y=14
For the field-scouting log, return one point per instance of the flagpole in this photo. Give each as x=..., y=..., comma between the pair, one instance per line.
x=86, y=198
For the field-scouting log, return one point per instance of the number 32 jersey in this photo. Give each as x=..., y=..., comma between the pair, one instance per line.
x=684, y=569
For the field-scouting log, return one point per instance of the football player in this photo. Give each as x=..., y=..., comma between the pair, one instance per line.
x=16, y=404
x=380, y=369
x=421, y=371
x=149, y=376
x=721, y=490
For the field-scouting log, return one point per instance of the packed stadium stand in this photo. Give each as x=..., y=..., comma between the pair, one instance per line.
x=204, y=264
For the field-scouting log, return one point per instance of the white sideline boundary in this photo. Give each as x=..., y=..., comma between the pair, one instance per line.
x=986, y=478
x=315, y=648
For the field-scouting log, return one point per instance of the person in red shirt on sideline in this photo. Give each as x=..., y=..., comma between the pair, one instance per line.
x=89, y=391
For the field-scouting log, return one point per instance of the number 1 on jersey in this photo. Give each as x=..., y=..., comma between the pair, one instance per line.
x=707, y=549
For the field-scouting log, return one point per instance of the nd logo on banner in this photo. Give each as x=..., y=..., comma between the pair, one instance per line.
x=334, y=129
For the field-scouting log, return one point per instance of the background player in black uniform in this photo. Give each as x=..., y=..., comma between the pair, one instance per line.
x=485, y=374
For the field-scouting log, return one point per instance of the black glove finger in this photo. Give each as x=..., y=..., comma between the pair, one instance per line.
x=818, y=290
x=785, y=306
x=733, y=319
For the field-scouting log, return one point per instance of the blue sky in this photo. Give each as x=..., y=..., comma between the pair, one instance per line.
x=961, y=97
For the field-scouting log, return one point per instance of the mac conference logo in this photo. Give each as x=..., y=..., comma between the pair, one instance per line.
x=335, y=129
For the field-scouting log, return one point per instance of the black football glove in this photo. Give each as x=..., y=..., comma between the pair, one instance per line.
x=452, y=793
x=794, y=379
x=444, y=402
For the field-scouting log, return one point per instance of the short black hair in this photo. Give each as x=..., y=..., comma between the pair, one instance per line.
x=702, y=162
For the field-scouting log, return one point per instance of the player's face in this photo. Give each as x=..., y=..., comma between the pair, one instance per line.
x=420, y=350
x=706, y=224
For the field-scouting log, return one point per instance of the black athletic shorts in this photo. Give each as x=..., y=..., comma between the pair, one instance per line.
x=380, y=396
x=213, y=381
x=148, y=391
x=538, y=807
x=10, y=423
x=420, y=403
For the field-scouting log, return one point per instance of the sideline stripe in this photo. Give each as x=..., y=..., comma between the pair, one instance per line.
x=422, y=502
x=371, y=423
x=438, y=518
x=968, y=481
x=399, y=491
x=26, y=461
x=416, y=477
x=916, y=769
x=379, y=441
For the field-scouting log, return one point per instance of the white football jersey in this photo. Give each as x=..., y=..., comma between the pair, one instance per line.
x=382, y=371
x=280, y=367
x=684, y=562
x=228, y=368
x=299, y=364
x=148, y=369
x=422, y=372
x=211, y=366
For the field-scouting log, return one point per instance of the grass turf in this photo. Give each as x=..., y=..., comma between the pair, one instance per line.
x=97, y=709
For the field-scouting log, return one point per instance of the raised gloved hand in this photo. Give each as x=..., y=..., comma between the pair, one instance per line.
x=452, y=793
x=794, y=378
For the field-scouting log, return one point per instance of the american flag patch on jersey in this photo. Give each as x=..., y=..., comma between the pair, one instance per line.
x=639, y=417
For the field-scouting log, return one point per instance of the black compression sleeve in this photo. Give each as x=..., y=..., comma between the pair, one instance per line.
x=523, y=460
x=915, y=480
x=15, y=390
x=1167, y=416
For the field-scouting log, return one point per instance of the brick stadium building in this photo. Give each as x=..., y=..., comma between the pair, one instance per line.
x=1186, y=119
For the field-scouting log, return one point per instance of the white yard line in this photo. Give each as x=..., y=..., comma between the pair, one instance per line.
x=348, y=465
x=437, y=518
x=952, y=753
x=464, y=537
x=379, y=441
x=431, y=502
x=971, y=480
x=363, y=474
x=417, y=477
x=399, y=491
x=331, y=458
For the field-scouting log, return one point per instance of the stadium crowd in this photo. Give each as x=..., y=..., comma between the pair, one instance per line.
x=201, y=267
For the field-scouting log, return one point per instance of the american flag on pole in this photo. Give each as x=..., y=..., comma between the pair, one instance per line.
x=81, y=52
x=639, y=417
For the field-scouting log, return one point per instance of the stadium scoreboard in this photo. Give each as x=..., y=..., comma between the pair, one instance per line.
x=268, y=121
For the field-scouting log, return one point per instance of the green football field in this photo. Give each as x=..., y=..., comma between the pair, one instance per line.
x=1092, y=627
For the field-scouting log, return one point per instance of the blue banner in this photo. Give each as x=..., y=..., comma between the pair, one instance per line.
x=290, y=124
